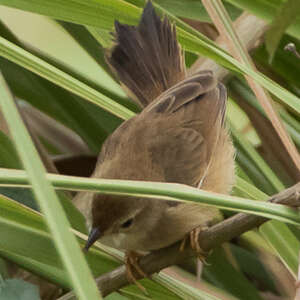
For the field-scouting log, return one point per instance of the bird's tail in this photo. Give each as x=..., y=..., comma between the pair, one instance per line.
x=147, y=58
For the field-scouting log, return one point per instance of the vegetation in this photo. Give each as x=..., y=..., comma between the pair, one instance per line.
x=68, y=115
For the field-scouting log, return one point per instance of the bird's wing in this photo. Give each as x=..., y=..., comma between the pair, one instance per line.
x=191, y=117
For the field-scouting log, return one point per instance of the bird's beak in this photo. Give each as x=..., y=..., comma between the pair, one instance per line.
x=94, y=235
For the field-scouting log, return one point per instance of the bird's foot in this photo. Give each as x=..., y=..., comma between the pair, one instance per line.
x=193, y=236
x=132, y=265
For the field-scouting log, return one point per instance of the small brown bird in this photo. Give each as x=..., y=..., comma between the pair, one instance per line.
x=179, y=137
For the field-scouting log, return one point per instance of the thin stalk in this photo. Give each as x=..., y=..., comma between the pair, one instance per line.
x=222, y=21
x=65, y=242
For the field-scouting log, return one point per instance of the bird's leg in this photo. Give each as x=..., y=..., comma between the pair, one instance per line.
x=131, y=263
x=193, y=236
x=183, y=242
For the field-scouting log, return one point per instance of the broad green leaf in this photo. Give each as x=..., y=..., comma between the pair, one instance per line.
x=286, y=15
x=65, y=242
x=18, y=289
x=221, y=273
x=279, y=236
x=163, y=191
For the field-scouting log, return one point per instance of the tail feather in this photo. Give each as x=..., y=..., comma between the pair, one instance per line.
x=147, y=58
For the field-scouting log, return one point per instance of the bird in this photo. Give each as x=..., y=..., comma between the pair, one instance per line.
x=180, y=136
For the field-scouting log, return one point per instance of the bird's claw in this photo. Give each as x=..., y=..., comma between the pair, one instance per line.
x=132, y=264
x=193, y=236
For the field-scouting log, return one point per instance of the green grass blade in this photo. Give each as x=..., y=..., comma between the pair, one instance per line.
x=87, y=42
x=226, y=28
x=47, y=95
x=20, y=227
x=8, y=155
x=65, y=242
x=53, y=74
x=250, y=263
x=247, y=190
x=10, y=159
x=55, y=101
x=95, y=13
x=193, y=9
x=291, y=124
x=164, y=191
x=278, y=235
x=182, y=289
x=284, y=242
x=108, y=11
x=257, y=160
x=220, y=272
x=257, y=178
x=102, y=36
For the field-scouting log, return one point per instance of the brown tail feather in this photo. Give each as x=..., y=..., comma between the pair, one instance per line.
x=147, y=58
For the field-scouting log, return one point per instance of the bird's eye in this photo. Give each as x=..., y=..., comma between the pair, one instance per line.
x=127, y=223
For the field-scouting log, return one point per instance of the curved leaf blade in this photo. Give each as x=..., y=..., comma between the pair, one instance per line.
x=159, y=190
x=53, y=74
x=65, y=242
